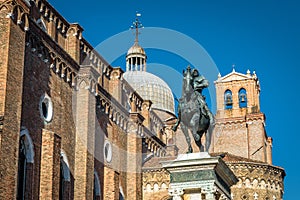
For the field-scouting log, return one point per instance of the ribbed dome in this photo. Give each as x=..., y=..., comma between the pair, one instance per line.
x=136, y=49
x=151, y=87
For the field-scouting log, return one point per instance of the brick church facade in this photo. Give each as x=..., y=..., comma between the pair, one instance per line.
x=71, y=127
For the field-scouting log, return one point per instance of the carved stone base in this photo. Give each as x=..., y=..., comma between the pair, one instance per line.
x=199, y=176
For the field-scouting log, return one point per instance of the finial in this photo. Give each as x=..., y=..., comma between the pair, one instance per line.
x=248, y=72
x=136, y=25
x=219, y=75
x=233, y=70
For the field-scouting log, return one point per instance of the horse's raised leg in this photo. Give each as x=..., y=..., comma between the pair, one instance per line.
x=187, y=137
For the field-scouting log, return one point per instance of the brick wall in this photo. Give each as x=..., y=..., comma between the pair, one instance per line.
x=50, y=165
x=11, y=79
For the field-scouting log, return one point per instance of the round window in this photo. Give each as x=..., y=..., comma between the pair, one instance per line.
x=107, y=151
x=46, y=109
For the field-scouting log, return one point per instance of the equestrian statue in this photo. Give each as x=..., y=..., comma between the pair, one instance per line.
x=193, y=112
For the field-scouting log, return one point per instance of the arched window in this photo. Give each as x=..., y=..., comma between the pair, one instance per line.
x=121, y=194
x=22, y=169
x=61, y=180
x=228, y=99
x=242, y=98
x=26, y=155
x=97, y=189
x=64, y=177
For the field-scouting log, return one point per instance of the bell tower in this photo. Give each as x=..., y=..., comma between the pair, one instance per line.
x=240, y=125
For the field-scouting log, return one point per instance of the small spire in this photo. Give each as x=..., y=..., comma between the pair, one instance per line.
x=219, y=75
x=137, y=25
x=254, y=74
x=233, y=66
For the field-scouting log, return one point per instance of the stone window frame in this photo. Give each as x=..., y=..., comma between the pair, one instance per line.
x=228, y=100
x=242, y=92
x=26, y=147
x=46, y=101
x=107, y=151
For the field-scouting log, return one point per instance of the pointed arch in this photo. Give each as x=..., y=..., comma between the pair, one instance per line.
x=97, y=186
x=26, y=156
x=28, y=145
x=65, y=166
x=65, y=176
x=121, y=194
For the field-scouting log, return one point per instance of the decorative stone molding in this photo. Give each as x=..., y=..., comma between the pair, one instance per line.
x=75, y=30
x=154, y=144
x=176, y=193
x=257, y=180
x=93, y=58
x=159, y=177
x=50, y=14
x=116, y=73
x=156, y=124
x=48, y=55
x=12, y=9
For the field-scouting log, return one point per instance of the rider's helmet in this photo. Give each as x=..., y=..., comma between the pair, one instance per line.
x=195, y=73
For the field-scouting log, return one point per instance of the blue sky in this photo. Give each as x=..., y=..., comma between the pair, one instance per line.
x=260, y=35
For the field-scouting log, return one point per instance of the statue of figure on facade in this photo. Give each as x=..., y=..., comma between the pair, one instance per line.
x=193, y=112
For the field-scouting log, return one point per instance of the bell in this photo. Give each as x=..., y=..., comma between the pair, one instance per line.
x=243, y=98
x=228, y=100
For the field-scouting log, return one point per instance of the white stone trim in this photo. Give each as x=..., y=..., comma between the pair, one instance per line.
x=28, y=145
x=65, y=166
x=107, y=157
x=97, y=186
x=47, y=100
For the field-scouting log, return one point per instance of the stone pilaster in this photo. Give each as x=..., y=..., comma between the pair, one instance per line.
x=85, y=119
x=12, y=47
x=115, y=84
x=269, y=150
x=73, y=41
x=134, y=158
x=146, y=105
x=111, y=184
x=50, y=165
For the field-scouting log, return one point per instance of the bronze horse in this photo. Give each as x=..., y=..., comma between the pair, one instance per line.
x=193, y=113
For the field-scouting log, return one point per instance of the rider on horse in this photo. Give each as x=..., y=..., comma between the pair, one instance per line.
x=193, y=111
x=198, y=84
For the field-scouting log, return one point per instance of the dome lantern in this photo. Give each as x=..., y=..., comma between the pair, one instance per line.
x=136, y=56
x=149, y=86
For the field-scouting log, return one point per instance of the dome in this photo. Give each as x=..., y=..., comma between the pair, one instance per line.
x=153, y=88
x=136, y=49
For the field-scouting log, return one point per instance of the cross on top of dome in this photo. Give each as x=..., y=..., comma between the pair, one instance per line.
x=136, y=55
x=136, y=25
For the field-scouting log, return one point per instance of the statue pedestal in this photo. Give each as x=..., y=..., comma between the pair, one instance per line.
x=199, y=176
